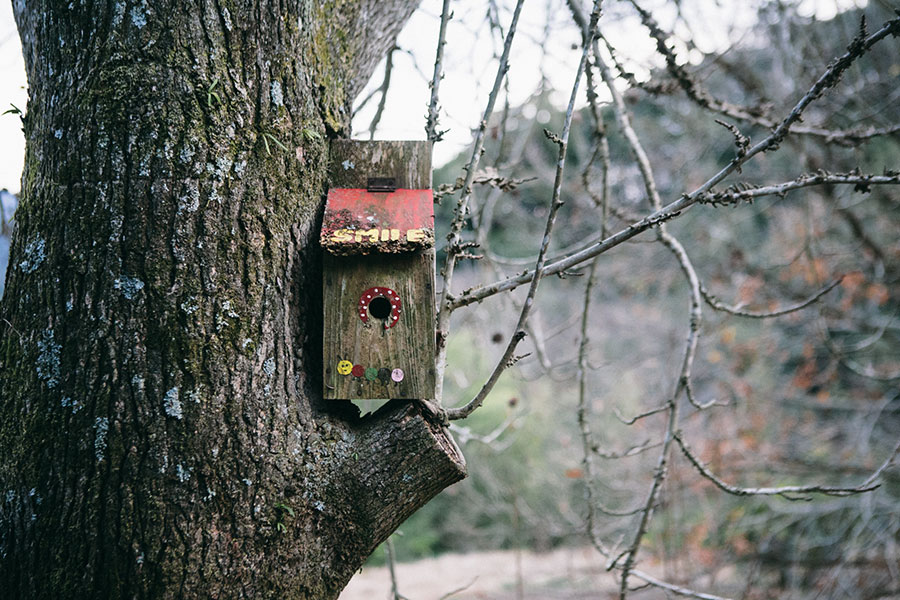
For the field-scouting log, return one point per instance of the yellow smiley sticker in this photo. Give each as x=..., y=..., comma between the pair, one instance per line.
x=344, y=367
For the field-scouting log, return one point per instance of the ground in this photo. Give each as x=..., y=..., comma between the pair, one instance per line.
x=570, y=574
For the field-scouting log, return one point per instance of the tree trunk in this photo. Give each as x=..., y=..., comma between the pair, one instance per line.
x=162, y=425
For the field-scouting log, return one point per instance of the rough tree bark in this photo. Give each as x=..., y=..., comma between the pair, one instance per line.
x=161, y=421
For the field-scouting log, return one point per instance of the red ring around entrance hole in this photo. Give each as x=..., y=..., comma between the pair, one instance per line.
x=380, y=292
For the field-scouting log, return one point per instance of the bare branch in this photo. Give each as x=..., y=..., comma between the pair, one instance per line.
x=647, y=511
x=633, y=451
x=859, y=46
x=717, y=304
x=389, y=551
x=385, y=85
x=754, y=114
x=638, y=417
x=667, y=213
x=431, y=124
x=675, y=589
x=672, y=210
x=686, y=81
x=747, y=193
x=784, y=491
x=459, y=589
x=555, y=204
x=465, y=434
x=444, y=310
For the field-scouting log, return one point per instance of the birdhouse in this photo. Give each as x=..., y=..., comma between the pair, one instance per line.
x=378, y=270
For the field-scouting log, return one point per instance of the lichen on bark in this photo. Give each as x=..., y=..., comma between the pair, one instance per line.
x=161, y=348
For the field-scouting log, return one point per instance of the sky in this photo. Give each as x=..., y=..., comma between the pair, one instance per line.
x=469, y=65
x=12, y=91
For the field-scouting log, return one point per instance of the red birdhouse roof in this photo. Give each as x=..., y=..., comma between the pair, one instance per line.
x=358, y=221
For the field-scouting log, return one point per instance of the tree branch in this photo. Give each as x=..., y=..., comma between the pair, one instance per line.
x=672, y=210
x=461, y=211
x=784, y=491
x=555, y=204
x=431, y=123
x=717, y=304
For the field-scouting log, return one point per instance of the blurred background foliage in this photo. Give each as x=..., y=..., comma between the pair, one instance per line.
x=810, y=397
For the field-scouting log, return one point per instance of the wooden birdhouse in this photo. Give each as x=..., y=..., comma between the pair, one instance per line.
x=378, y=271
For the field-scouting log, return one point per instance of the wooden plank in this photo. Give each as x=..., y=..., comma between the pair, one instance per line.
x=408, y=345
x=353, y=162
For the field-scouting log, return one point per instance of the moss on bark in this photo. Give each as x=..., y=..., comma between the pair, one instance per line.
x=160, y=401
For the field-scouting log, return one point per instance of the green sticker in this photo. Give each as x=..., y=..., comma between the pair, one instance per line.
x=371, y=373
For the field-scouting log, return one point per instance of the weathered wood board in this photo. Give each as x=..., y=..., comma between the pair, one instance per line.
x=352, y=163
x=369, y=354
x=407, y=346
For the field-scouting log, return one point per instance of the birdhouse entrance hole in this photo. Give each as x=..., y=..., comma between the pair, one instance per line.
x=380, y=308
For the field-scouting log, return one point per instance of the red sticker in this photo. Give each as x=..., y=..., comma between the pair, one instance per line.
x=358, y=370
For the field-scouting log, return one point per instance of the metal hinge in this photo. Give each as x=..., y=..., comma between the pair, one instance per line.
x=381, y=184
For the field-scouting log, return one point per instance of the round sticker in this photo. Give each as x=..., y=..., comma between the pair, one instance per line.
x=344, y=367
x=358, y=370
x=384, y=375
x=397, y=375
x=371, y=373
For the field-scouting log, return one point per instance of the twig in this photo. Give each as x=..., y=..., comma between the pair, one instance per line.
x=459, y=589
x=747, y=193
x=639, y=416
x=385, y=85
x=587, y=443
x=675, y=589
x=465, y=434
x=696, y=316
x=633, y=451
x=555, y=204
x=672, y=210
x=453, y=238
x=783, y=491
x=432, y=121
x=589, y=447
x=389, y=551
x=647, y=510
x=717, y=304
x=686, y=81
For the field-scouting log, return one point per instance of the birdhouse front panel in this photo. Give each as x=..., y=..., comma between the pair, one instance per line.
x=378, y=272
